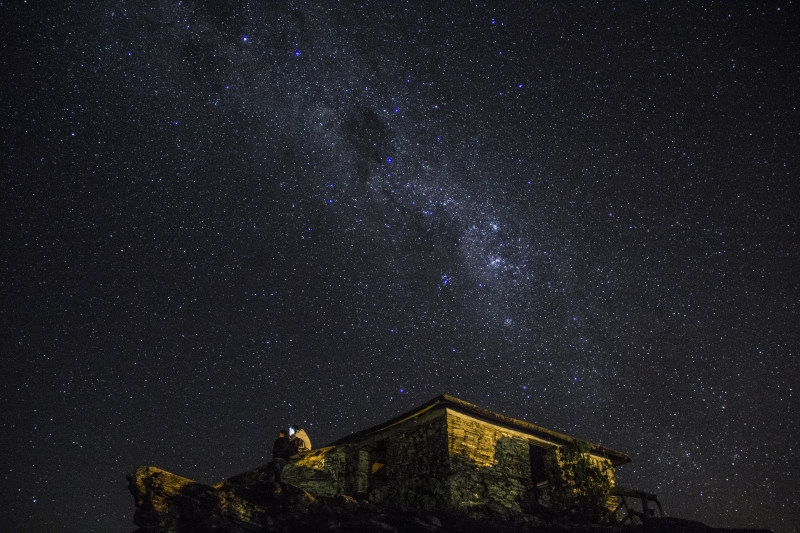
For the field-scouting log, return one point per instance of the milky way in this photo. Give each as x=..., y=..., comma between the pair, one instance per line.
x=223, y=218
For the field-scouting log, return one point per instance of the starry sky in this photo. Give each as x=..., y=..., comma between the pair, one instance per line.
x=220, y=218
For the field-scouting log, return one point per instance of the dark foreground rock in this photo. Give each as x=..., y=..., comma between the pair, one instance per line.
x=249, y=503
x=166, y=502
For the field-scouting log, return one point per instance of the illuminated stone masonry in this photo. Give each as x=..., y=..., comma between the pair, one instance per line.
x=444, y=455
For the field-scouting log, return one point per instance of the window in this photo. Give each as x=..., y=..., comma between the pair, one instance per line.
x=536, y=454
x=377, y=466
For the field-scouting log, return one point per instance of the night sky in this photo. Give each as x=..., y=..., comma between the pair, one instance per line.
x=221, y=218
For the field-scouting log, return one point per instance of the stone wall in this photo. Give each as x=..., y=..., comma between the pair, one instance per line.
x=497, y=467
x=322, y=472
x=416, y=464
x=404, y=466
x=436, y=460
x=490, y=466
x=330, y=471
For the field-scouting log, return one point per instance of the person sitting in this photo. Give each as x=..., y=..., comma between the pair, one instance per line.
x=299, y=438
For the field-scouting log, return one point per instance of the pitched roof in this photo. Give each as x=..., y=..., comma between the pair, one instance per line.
x=445, y=401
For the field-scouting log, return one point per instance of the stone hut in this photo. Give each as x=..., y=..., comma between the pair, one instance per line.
x=444, y=455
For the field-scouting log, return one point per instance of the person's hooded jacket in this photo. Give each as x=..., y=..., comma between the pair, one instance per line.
x=283, y=448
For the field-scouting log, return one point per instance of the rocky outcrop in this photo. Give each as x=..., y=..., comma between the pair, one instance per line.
x=166, y=502
x=248, y=502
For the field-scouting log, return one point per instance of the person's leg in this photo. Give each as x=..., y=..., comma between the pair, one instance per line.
x=274, y=471
x=279, y=464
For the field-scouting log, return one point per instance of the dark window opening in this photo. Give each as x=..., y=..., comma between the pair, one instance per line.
x=377, y=466
x=536, y=454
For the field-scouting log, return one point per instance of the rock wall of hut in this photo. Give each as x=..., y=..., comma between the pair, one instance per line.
x=415, y=466
x=439, y=459
x=490, y=465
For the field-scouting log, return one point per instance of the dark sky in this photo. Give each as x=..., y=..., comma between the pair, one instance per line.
x=220, y=218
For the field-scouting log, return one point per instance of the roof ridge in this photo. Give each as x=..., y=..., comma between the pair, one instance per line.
x=445, y=400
